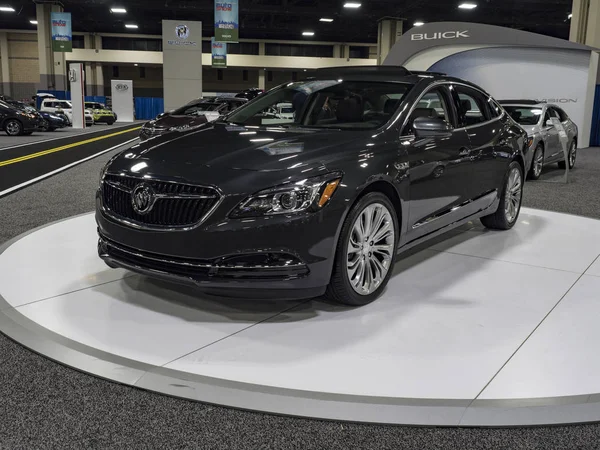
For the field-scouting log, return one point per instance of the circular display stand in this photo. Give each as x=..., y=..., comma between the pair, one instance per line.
x=480, y=328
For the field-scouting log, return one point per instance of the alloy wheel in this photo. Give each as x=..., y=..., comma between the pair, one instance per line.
x=512, y=197
x=13, y=127
x=572, y=155
x=538, y=162
x=370, y=248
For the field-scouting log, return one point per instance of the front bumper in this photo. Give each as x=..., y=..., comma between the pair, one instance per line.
x=283, y=257
x=104, y=118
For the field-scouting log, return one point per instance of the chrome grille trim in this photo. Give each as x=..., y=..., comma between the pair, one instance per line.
x=179, y=206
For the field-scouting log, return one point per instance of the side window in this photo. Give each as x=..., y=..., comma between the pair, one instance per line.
x=472, y=106
x=432, y=104
x=561, y=114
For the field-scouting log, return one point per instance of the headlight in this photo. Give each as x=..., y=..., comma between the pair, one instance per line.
x=529, y=142
x=102, y=173
x=311, y=194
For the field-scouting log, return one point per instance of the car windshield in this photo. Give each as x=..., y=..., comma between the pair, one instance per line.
x=524, y=115
x=94, y=105
x=197, y=108
x=325, y=104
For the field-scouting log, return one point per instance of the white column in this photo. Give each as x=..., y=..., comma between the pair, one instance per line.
x=388, y=32
x=90, y=78
x=44, y=39
x=98, y=67
x=60, y=66
x=261, y=79
x=337, y=51
x=4, y=56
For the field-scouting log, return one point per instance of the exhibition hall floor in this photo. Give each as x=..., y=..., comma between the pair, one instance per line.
x=480, y=328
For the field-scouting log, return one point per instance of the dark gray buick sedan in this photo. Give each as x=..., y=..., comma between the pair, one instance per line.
x=372, y=162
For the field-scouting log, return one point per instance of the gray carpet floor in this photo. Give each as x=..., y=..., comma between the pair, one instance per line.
x=44, y=405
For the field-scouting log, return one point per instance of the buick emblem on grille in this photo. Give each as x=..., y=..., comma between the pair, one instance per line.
x=142, y=198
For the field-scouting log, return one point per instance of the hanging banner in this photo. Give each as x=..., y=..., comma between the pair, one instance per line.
x=219, y=53
x=62, y=35
x=226, y=21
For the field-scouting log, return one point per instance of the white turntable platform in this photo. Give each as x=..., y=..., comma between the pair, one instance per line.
x=481, y=328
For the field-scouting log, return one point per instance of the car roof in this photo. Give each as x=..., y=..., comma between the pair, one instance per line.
x=398, y=74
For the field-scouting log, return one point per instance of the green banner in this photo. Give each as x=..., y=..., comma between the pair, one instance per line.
x=62, y=35
x=227, y=21
x=219, y=53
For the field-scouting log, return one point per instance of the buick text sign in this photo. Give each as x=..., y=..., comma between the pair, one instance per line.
x=439, y=35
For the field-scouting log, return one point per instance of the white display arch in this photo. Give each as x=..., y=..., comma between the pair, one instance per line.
x=508, y=63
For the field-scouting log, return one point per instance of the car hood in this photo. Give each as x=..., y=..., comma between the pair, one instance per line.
x=102, y=111
x=179, y=121
x=221, y=145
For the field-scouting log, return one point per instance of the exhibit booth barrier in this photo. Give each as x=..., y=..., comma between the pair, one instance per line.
x=509, y=64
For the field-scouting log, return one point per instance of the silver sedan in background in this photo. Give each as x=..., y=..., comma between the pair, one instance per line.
x=544, y=123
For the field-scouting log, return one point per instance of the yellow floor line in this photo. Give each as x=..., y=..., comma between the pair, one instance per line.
x=64, y=147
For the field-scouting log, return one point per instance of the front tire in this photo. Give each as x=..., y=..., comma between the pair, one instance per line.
x=366, y=251
x=537, y=164
x=13, y=127
x=510, y=201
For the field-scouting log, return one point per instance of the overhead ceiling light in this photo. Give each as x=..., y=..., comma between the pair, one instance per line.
x=130, y=25
x=7, y=9
x=325, y=19
x=118, y=10
x=418, y=24
x=308, y=33
x=351, y=5
x=467, y=5
x=570, y=16
x=33, y=22
x=136, y=64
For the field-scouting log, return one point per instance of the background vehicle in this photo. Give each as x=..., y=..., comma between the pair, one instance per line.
x=319, y=205
x=53, y=121
x=16, y=121
x=544, y=124
x=101, y=112
x=250, y=94
x=89, y=117
x=195, y=113
x=53, y=105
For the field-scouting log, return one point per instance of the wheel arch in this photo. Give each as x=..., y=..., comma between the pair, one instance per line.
x=388, y=189
x=8, y=119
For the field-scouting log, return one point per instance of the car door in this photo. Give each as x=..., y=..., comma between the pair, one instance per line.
x=481, y=122
x=551, y=133
x=437, y=169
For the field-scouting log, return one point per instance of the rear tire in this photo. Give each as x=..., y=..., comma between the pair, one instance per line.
x=572, y=156
x=510, y=200
x=13, y=127
x=537, y=164
x=366, y=251
x=45, y=126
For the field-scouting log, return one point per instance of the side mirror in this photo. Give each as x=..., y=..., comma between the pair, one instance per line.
x=426, y=127
x=549, y=123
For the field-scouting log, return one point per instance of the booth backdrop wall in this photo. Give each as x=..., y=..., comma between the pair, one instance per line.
x=122, y=100
x=554, y=75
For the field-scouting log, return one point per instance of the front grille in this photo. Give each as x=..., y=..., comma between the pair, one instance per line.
x=177, y=205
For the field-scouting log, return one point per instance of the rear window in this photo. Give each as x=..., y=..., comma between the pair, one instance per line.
x=524, y=115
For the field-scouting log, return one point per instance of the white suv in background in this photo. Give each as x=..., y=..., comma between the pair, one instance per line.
x=53, y=105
